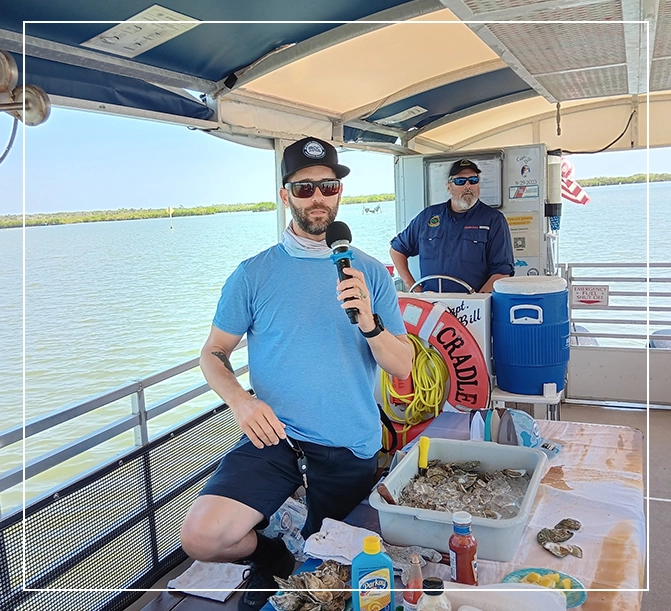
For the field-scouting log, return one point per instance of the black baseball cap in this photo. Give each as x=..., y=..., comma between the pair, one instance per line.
x=463, y=164
x=308, y=152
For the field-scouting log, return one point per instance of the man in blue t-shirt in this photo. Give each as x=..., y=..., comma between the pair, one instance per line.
x=462, y=237
x=313, y=419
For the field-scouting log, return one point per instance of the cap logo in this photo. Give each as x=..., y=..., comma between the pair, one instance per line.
x=314, y=150
x=464, y=162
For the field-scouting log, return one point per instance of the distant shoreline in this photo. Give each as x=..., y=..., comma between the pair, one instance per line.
x=602, y=181
x=133, y=214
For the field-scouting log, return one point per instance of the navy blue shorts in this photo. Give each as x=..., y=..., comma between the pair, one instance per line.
x=263, y=479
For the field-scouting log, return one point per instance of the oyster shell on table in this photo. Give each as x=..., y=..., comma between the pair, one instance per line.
x=574, y=550
x=552, y=538
x=569, y=523
x=324, y=589
x=288, y=601
x=561, y=551
x=556, y=535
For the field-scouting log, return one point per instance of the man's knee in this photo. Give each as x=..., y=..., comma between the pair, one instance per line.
x=200, y=541
x=214, y=528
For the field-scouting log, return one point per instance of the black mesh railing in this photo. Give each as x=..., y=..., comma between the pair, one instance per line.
x=113, y=530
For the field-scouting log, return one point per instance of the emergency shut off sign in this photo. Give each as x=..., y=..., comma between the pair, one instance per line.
x=589, y=294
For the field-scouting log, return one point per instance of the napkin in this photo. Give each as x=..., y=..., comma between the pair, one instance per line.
x=215, y=580
x=337, y=541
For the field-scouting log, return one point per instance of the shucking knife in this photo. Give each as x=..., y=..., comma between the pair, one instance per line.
x=423, y=461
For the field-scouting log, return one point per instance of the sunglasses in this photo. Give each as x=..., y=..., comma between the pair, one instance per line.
x=460, y=181
x=307, y=188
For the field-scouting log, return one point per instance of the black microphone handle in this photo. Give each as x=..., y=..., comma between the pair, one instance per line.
x=352, y=313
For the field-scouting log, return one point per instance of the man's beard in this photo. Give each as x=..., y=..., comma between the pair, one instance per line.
x=465, y=202
x=316, y=227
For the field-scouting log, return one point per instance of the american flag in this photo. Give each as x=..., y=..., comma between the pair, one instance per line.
x=570, y=189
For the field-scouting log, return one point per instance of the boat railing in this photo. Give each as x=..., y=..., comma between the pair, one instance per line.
x=100, y=539
x=137, y=420
x=628, y=306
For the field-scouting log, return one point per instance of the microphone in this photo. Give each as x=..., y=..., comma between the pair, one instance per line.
x=338, y=237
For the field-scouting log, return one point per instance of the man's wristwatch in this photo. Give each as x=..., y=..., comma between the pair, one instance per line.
x=379, y=327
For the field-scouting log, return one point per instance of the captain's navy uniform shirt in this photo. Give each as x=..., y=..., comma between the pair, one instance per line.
x=470, y=246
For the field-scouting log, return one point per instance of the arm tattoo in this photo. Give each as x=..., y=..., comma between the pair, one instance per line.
x=224, y=359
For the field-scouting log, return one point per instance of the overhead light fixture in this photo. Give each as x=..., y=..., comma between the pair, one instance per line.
x=28, y=103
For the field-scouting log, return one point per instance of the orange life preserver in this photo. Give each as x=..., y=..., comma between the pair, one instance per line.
x=436, y=325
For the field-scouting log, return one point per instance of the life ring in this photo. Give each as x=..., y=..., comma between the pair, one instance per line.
x=468, y=375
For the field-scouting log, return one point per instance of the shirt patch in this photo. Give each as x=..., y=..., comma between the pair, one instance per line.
x=434, y=221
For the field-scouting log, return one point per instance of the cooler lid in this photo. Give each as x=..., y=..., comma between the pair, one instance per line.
x=530, y=285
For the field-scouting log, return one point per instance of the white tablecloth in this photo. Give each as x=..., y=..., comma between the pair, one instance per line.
x=597, y=479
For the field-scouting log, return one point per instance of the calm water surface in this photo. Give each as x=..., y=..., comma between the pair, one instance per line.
x=106, y=303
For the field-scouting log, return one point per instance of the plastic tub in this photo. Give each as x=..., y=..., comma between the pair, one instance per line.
x=497, y=539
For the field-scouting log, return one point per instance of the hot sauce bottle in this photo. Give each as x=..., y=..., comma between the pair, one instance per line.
x=463, y=550
x=413, y=591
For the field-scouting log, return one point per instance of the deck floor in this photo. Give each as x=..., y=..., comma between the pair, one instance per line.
x=658, y=490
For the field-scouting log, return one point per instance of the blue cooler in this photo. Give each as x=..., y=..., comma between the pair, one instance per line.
x=530, y=333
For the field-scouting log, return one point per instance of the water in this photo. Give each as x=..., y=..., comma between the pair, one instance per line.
x=612, y=227
x=106, y=303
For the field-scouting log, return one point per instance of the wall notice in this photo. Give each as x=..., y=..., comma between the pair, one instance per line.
x=589, y=294
x=524, y=233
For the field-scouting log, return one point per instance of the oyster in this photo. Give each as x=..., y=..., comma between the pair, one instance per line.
x=561, y=551
x=436, y=475
x=289, y=601
x=467, y=479
x=556, y=535
x=471, y=466
x=569, y=523
x=333, y=582
x=335, y=605
x=461, y=486
x=324, y=589
x=514, y=473
x=314, y=586
x=574, y=550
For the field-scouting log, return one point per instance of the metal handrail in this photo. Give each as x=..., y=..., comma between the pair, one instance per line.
x=136, y=421
x=578, y=312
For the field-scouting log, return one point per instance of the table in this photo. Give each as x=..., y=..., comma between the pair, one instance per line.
x=597, y=479
x=550, y=400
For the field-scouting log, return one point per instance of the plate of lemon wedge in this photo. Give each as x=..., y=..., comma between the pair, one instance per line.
x=571, y=587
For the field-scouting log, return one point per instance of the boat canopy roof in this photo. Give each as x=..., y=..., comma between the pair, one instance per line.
x=402, y=76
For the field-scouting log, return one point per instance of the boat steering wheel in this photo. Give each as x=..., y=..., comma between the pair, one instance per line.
x=441, y=277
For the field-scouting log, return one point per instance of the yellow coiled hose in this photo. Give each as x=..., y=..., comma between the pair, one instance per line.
x=429, y=377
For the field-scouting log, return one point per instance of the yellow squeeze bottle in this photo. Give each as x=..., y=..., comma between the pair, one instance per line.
x=372, y=578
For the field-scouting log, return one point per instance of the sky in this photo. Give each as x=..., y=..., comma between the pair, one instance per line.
x=79, y=161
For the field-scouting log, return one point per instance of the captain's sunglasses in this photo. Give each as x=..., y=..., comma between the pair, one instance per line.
x=460, y=181
x=307, y=188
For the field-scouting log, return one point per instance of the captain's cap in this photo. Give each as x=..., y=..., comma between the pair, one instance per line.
x=463, y=164
x=308, y=152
